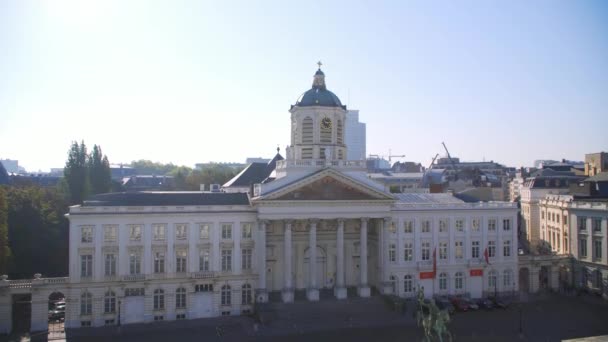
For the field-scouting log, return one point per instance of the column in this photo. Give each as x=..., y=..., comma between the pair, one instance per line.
x=340, y=290
x=385, y=284
x=261, y=294
x=287, y=263
x=313, y=292
x=363, y=289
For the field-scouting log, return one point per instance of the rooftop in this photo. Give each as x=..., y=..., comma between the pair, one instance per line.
x=166, y=198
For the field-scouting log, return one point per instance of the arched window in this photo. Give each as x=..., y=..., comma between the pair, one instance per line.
x=86, y=303
x=492, y=279
x=507, y=278
x=180, y=298
x=393, y=281
x=226, y=295
x=159, y=299
x=443, y=281
x=109, y=302
x=458, y=281
x=307, y=125
x=246, y=294
x=408, y=284
x=339, y=132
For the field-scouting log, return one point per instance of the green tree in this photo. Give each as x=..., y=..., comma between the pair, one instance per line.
x=5, y=251
x=100, y=176
x=75, y=173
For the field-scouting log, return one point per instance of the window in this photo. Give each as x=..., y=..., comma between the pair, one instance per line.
x=392, y=252
x=180, y=316
x=583, y=247
x=134, y=263
x=246, y=230
x=246, y=258
x=180, y=298
x=443, y=250
x=158, y=232
x=596, y=224
x=159, y=299
x=86, y=234
x=565, y=220
x=180, y=261
x=226, y=231
x=181, y=231
x=159, y=262
x=109, y=233
x=582, y=223
x=159, y=318
x=542, y=215
x=109, y=302
x=426, y=250
x=475, y=224
x=203, y=264
x=134, y=232
x=392, y=228
x=408, y=251
x=203, y=288
x=492, y=225
x=458, y=249
x=506, y=224
x=426, y=226
x=84, y=324
x=460, y=226
x=443, y=226
x=226, y=260
x=86, y=303
x=507, y=278
x=110, y=265
x=506, y=248
x=86, y=266
x=492, y=279
x=204, y=229
x=475, y=249
x=458, y=281
x=597, y=249
x=136, y=292
x=226, y=295
x=408, y=284
x=408, y=227
x=557, y=218
x=246, y=294
x=443, y=281
x=491, y=249
x=109, y=322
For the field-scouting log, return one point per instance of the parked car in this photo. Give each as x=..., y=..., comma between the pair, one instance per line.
x=500, y=304
x=460, y=304
x=56, y=315
x=486, y=304
x=472, y=305
x=444, y=304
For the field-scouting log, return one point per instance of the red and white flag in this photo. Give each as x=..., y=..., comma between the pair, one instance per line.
x=486, y=255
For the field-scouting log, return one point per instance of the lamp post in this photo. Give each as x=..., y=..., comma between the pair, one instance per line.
x=118, y=323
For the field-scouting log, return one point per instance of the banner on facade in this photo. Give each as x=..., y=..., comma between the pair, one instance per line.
x=427, y=275
x=476, y=273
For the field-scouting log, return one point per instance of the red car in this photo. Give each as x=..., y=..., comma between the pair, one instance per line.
x=460, y=304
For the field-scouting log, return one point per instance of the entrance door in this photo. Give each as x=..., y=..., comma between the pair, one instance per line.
x=321, y=268
x=203, y=305
x=22, y=313
x=134, y=309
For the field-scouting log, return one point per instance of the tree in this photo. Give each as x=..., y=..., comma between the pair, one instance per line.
x=75, y=173
x=100, y=176
x=5, y=251
x=4, y=179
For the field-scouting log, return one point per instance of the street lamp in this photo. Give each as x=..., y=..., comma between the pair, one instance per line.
x=118, y=314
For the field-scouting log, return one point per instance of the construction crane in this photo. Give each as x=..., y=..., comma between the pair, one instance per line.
x=426, y=172
x=451, y=161
x=396, y=156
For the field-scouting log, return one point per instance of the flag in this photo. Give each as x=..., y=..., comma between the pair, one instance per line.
x=435, y=263
x=486, y=256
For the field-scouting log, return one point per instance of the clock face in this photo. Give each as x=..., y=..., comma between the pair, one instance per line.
x=326, y=123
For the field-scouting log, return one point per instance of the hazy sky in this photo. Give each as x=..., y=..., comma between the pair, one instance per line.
x=188, y=81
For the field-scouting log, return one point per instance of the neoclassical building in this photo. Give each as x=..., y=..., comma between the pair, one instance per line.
x=317, y=227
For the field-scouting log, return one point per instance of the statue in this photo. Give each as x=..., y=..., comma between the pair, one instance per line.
x=434, y=321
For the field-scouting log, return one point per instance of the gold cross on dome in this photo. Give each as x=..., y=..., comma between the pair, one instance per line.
x=319, y=64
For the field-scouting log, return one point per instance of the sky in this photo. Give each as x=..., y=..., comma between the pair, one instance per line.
x=195, y=81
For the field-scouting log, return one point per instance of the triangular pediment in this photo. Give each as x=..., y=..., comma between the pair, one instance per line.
x=328, y=185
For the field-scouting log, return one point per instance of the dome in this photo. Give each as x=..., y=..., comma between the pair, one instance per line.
x=318, y=95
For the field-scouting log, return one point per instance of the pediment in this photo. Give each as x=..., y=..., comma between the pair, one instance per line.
x=328, y=186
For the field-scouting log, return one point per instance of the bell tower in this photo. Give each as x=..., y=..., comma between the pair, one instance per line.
x=317, y=123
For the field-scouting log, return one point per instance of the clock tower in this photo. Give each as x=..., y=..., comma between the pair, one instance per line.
x=317, y=124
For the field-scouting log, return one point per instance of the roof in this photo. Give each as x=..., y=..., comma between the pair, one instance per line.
x=442, y=198
x=254, y=173
x=318, y=95
x=166, y=198
x=600, y=177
